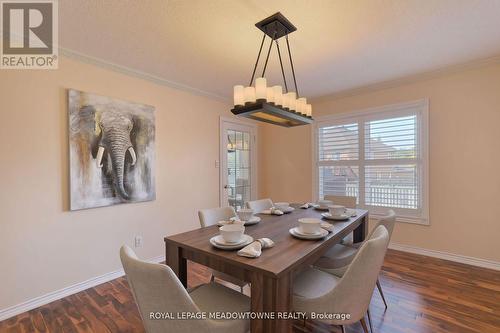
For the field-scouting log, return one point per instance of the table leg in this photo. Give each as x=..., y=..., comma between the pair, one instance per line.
x=361, y=231
x=174, y=259
x=271, y=295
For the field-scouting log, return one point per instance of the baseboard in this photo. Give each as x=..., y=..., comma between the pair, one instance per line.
x=61, y=293
x=447, y=256
x=73, y=289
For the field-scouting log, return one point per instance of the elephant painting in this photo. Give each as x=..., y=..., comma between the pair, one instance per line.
x=111, y=151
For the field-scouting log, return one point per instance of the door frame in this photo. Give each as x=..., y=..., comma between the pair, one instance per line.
x=253, y=154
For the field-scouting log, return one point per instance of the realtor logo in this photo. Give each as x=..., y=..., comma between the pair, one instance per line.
x=29, y=34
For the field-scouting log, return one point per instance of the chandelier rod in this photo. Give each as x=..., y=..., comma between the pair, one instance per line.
x=268, y=53
x=258, y=57
x=291, y=64
x=281, y=64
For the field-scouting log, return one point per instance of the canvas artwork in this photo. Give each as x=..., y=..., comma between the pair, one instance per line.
x=112, y=151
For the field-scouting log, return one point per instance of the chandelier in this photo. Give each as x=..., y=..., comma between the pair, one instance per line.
x=270, y=103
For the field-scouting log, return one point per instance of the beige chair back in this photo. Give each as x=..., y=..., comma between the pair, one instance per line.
x=260, y=205
x=211, y=216
x=156, y=288
x=349, y=202
x=355, y=289
x=353, y=292
x=388, y=222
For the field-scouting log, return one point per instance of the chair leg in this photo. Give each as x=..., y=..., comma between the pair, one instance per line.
x=241, y=288
x=370, y=321
x=379, y=287
x=343, y=328
x=363, y=324
x=212, y=278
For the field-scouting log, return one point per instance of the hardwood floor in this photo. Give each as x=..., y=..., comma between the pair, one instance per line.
x=424, y=295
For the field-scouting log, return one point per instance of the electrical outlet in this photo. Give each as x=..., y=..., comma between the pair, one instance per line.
x=217, y=163
x=138, y=241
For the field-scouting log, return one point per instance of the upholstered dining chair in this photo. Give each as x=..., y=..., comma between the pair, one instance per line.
x=259, y=205
x=348, y=202
x=317, y=291
x=157, y=289
x=210, y=217
x=338, y=258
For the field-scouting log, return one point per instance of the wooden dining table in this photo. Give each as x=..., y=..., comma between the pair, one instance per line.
x=270, y=275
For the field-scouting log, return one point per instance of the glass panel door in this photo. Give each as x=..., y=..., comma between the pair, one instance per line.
x=237, y=169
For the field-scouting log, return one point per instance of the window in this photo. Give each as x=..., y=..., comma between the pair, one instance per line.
x=378, y=156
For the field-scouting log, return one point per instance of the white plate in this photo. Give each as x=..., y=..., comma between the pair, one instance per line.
x=246, y=239
x=253, y=220
x=296, y=233
x=329, y=216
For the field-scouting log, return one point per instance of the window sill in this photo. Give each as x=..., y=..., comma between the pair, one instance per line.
x=404, y=219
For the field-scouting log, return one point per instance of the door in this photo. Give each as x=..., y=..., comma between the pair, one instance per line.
x=238, y=160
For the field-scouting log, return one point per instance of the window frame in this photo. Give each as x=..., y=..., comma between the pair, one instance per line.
x=421, y=109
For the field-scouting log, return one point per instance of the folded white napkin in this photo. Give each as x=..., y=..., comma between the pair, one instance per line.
x=351, y=212
x=232, y=220
x=272, y=211
x=327, y=226
x=254, y=249
x=306, y=205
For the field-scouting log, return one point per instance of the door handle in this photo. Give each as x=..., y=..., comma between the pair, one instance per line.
x=227, y=186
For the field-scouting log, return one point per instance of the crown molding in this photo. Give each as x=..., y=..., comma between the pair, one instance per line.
x=137, y=74
x=409, y=79
x=336, y=95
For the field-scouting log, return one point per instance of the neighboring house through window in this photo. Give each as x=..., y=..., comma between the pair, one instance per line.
x=379, y=156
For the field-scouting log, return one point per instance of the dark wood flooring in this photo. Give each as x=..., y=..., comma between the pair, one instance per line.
x=424, y=295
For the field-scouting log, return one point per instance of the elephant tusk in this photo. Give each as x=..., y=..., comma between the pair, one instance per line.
x=132, y=154
x=100, y=152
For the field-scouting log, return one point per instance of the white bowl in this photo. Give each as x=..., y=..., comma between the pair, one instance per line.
x=245, y=214
x=336, y=210
x=309, y=225
x=282, y=205
x=324, y=203
x=232, y=233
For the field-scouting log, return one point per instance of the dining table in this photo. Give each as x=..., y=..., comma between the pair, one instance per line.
x=270, y=275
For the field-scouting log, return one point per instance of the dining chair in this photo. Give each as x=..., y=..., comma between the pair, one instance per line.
x=259, y=205
x=338, y=258
x=343, y=200
x=210, y=217
x=320, y=292
x=157, y=290
x=348, y=202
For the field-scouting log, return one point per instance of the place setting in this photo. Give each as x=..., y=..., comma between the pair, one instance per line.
x=311, y=229
x=338, y=213
x=322, y=205
x=245, y=216
x=279, y=208
x=233, y=237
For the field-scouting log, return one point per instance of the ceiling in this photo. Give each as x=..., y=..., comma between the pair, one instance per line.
x=211, y=45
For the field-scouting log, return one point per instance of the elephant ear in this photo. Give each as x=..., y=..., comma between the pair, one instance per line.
x=87, y=125
x=136, y=129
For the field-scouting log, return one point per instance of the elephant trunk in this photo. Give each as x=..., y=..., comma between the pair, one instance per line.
x=119, y=143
